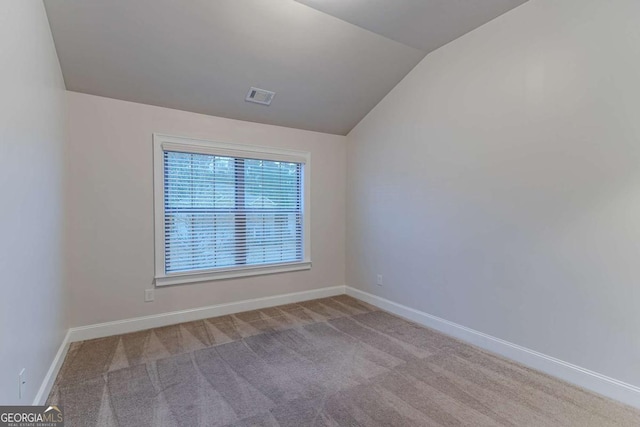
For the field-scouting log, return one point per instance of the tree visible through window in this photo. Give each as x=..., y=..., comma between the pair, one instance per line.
x=228, y=211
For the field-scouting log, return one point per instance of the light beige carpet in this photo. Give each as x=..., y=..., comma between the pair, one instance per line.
x=328, y=362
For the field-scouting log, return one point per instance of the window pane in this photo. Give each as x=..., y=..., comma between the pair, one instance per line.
x=224, y=211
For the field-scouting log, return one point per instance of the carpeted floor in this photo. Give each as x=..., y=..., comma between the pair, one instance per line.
x=328, y=362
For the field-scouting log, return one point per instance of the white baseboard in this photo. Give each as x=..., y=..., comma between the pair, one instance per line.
x=52, y=373
x=582, y=377
x=147, y=322
x=141, y=323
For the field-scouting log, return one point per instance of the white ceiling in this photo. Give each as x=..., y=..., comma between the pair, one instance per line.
x=204, y=55
x=422, y=24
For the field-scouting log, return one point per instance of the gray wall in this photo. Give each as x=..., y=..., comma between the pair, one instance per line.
x=32, y=135
x=498, y=185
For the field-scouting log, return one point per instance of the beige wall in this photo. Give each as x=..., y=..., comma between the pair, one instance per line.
x=110, y=209
x=498, y=185
x=32, y=135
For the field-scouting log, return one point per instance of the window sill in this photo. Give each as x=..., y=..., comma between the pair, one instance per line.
x=230, y=273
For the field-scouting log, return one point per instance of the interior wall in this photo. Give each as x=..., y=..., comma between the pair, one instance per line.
x=498, y=185
x=32, y=137
x=110, y=249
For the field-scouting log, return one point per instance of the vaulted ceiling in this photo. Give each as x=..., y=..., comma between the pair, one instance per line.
x=329, y=61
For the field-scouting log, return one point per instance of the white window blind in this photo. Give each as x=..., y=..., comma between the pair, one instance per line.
x=225, y=211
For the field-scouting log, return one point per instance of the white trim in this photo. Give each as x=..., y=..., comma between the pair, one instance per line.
x=52, y=373
x=162, y=142
x=577, y=375
x=193, y=145
x=172, y=318
x=230, y=273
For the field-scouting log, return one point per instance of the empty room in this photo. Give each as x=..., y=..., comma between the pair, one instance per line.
x=320, y=213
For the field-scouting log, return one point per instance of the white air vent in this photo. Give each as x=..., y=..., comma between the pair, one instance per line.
x=260, y=96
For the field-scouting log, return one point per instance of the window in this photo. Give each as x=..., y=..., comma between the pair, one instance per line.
x=226, y=210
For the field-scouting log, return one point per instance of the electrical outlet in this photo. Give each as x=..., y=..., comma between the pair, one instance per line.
x=379, y=280
x=22, y=382
x=149, y=295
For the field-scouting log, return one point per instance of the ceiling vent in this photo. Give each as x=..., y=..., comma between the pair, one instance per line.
x=260, y=96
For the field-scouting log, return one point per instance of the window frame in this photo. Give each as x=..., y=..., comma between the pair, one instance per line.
x=162, y=143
